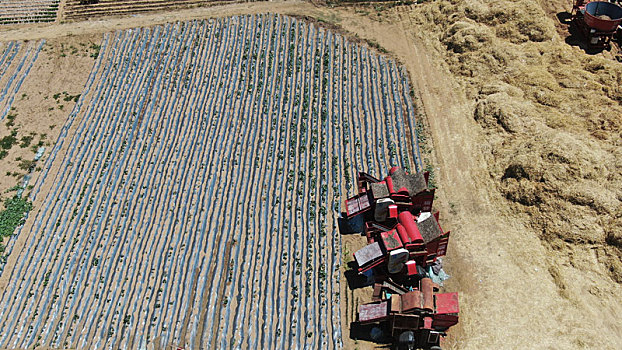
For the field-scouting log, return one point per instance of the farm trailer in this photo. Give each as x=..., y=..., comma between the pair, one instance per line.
x=597, y=21
x=417, y=318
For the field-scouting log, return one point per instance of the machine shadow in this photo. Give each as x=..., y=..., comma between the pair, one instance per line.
x=364, y=332
x=354, y=225
x=355, y=279
x=564, y=17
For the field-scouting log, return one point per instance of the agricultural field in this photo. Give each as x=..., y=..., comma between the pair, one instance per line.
x=191, y=196
x=74, y=10
x=16, y=60
x=151, y=141
x=29, y=11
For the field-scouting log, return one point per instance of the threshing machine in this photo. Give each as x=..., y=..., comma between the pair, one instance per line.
x=404, y=242
x=415, y=318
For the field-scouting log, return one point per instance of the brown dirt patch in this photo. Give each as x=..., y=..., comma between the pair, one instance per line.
x=46, y=97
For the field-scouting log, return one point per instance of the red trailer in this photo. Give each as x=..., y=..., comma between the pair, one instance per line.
x=597, y=21
x=420, y=236
x=418, y=318
x=380, y=199
x=395, y=211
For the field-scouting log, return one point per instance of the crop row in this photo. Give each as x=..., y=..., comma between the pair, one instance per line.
x=16, y=60
x=28, y=11
x=191, y=197
x=76, y=9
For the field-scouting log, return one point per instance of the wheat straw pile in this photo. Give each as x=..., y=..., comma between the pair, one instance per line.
x=552, y=114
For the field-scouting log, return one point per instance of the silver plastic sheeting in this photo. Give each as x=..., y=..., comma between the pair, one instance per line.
x=194, y=203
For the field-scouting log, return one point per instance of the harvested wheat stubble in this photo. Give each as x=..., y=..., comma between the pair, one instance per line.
x=549, y=116
x=547, y=109
x=194, y=203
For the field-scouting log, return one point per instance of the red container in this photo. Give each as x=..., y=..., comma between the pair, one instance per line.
x=595, y=9
x=393, y=211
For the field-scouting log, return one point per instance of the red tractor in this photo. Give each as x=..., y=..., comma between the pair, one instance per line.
x=404, y=242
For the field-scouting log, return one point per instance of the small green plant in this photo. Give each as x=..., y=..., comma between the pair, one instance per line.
x=25, y=141
x=8, y=141
x=14, y=188
x=347, y=257
x=27, y=165
x=96, y=48
x=10, y=119
x=13, y=215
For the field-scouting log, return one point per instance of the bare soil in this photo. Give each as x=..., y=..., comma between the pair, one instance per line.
x=46, y=97
x=526, y=134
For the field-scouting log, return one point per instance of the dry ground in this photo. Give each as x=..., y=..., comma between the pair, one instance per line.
x=45, y=99
x=526, y=132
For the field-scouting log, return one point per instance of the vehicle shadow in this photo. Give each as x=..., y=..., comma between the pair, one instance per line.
x=564, y=17
x=354, y=225
x=365, y=332
x=355, y=279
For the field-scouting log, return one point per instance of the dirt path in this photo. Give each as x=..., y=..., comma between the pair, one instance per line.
x=104, y=25
x=509, y=297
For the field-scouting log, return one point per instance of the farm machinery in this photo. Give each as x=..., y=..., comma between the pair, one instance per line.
x=598, y=21
x=402, y=257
